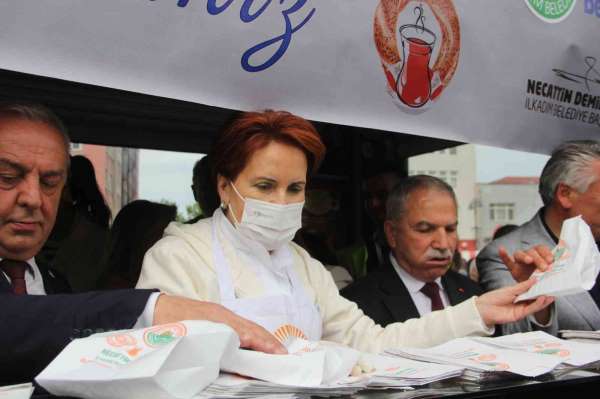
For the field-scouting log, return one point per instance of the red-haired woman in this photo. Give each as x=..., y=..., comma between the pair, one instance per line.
x=243, y=257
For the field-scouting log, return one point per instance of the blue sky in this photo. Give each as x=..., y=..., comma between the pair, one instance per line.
x=168, y=175
x=494, y=163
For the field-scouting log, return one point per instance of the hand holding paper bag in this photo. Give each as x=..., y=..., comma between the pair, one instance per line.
x=575, y=266
x=499, y=307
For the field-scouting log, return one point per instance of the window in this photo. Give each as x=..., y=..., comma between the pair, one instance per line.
x=502, y=212
x=442, y=174
x=453, y=178
x=76, y=146
x=431, y=173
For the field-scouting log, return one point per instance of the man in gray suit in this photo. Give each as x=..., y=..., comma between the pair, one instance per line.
x=569, y=186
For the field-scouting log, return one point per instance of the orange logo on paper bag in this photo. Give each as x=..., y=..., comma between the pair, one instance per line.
x=124, y=341
x=121, y=340
x=489, y=359
x=287, y=331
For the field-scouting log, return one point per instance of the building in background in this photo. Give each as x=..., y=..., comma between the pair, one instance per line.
x=117, y=171
x=457, y=167
x=510, y=200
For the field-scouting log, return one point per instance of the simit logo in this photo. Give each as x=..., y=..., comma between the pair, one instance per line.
x=419, y=46
x=592, y=7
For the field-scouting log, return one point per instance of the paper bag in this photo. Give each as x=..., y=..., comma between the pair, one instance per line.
x=20, y=391
x=308, y=364
x=169, y=361
x=576, y=263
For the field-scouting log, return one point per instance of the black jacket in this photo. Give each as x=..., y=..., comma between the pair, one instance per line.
x=35, y=328
x=383, y=296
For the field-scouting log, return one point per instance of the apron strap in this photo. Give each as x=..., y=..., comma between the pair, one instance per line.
x=310, y=320
x=224, y=275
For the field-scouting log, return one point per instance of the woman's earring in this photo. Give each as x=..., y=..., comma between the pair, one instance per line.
x=223, y=206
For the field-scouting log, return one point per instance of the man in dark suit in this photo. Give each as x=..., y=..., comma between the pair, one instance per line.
x=34, y=149
x=420, y=228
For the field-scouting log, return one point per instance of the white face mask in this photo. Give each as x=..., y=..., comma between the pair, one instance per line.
x=272, y=225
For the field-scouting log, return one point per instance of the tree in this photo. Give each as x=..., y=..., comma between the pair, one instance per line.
x=179, y=218
x=193, y=211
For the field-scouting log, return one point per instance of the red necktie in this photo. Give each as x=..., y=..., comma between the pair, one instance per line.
x=432, y=290
x=15, y=270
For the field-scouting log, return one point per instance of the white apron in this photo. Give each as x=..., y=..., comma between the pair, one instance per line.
x=282, y=315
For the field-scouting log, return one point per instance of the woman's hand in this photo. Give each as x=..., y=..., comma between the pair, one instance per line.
x=170, y=309
x=498, y=307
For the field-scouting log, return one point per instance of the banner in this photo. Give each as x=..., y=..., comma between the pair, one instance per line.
x=521, y=74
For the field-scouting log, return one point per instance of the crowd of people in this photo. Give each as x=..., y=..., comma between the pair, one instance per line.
x=239, y=265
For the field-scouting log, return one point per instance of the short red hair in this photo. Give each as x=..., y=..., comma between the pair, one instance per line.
x=251, y=131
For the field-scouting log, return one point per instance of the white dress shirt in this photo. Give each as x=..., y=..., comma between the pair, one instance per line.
x=421, y=301
x=33, y=279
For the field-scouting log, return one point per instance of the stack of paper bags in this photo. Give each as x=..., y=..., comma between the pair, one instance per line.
x=397, y=372
x=319, y=368
x=570, y=353
x=307, y=364
x=481, y=361
x=235, y=386
x=169, y=361
x=581, y=335
x=575, y=267
x=309, y=367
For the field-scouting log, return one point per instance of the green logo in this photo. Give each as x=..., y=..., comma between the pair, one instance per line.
x=163, y=338
x=551, y=11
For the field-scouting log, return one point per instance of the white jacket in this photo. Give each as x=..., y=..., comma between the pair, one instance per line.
x=182, y=263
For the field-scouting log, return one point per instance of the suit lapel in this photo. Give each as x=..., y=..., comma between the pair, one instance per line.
x=5, y=286
x=396, y=297
x=454, y=290
x=54, y=282
x=533, y=231
x=47, y=279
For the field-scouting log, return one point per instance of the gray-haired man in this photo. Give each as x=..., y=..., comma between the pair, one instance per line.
x=569, y=186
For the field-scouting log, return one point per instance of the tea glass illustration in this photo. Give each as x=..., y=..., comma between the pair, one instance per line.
x=414, y=81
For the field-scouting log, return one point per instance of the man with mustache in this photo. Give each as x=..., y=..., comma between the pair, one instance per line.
x=421, y=230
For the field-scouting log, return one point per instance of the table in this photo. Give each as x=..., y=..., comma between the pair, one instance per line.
x=557, y=383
